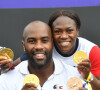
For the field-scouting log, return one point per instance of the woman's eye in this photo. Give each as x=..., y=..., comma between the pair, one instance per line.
x=69, y=30
x=57, y=31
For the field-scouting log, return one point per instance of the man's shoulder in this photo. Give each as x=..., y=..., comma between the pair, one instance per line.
x=13, y=77
x=22, y=64
x=9, y=77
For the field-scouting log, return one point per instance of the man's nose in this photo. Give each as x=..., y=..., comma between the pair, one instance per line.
x=39, y=45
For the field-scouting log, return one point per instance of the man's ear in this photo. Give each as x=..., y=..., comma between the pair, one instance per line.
x=23, y=44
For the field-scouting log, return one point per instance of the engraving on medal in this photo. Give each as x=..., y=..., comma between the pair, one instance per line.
x=79, y=56
x=74, y=83
x=31, y=78
x=7, y=52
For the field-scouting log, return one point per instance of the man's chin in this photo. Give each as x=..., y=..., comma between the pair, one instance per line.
x=40, y=63
x=40, y=66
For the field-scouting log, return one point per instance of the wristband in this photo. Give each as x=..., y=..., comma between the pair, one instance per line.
x=90, y=78
x=12, y=67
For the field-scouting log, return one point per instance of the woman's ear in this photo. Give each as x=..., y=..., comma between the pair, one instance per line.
x=77, y=33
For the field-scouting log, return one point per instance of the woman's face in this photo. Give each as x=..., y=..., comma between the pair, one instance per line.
x=65, y=33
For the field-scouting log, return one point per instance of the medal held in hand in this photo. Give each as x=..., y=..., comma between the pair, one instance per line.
x=31, y=78
x=7, y=52
x=79, y=56
x=74, y=83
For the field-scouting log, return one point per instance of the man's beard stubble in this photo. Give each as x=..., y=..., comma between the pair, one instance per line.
x=32, y=61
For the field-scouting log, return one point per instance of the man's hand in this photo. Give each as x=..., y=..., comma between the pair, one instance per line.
x=5, y=63
x=84, y=66
x=30, y=86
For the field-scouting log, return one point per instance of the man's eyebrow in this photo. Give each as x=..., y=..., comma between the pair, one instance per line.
x=31, y=38
x=41, y=37
x=45, y=37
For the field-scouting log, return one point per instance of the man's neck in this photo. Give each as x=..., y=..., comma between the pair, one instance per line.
x=43, y=73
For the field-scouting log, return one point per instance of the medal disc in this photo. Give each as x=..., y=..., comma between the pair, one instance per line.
x=31, y=78
x=74, y=83
x=79, y=56
x=7, y=52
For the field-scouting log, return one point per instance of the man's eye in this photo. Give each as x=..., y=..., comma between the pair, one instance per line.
x=31, y=41
x=45, y=41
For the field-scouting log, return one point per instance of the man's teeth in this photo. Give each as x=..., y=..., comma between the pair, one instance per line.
x=39, y=55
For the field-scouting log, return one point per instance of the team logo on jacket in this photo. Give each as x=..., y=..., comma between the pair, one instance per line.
x=57, y=87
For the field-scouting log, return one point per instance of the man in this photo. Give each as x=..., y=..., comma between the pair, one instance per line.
x=38, y=44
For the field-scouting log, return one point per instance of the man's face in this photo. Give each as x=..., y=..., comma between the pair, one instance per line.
x=38, y=45
x=65, y=34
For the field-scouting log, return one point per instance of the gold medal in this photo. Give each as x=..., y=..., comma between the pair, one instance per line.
x=79, y=56
x=74, y=83
x=31, y=78
x=7, y=52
